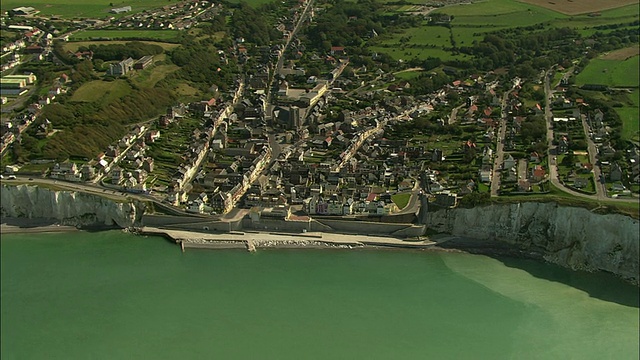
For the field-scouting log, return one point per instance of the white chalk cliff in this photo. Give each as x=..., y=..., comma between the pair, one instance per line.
x=67, y=207
x=569, y=236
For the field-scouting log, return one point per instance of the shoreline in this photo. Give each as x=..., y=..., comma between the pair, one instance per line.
x=252, y=240
x=255, y=240
x=54, y=228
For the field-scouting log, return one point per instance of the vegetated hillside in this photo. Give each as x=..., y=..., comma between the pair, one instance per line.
x=87, y=127
x=95, y=128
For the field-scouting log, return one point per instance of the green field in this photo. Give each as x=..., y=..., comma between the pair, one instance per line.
x=102, y=91
x=495, y=8
x=466, y=35
x=611, y=72
x=401, y=200
x=159, y=35
x=426, y=35
x=630, y=116
x=82, y=8
x=149, y=77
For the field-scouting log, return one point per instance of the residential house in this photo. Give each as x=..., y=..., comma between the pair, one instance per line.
x=615, y=173
x=563, y=145
x=66, y=171
x=88, y=172
x=485, y=174
x=117, y=175
x=524, y=185
x=537, y=173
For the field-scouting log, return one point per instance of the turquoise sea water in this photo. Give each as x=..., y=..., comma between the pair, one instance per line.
x=111, y=295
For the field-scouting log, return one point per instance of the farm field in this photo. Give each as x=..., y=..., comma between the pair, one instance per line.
x=522, y=17
x=103, y=91
x=81, y=8
x=160, y=35
x=571, y=7
x=611, y=72
x=622, y=54
x=73, y=46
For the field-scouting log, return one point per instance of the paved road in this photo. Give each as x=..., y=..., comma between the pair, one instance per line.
x=601, y=191
x=495, y=177
x=553, y=169
x=280, y=61
x=454, y=113
x=96, y=190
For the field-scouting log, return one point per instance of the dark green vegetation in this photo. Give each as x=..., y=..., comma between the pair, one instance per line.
x=99, y=113
x=157, y=35
x=117, y=52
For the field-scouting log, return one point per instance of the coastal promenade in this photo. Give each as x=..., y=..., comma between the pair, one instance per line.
x=256, y=240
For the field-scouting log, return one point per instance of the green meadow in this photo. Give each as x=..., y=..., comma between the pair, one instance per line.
x=101, y=91
x=622, y=73
x=630, y=116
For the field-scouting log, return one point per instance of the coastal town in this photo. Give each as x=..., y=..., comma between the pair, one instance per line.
x=319, y=179
x=308, y=133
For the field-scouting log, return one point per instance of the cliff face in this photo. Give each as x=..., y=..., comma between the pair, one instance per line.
x=568, y=236
x=69, y=208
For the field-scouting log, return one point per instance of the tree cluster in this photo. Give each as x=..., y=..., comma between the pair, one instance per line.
x=201, y=65
x=133, y=49
x=252, y=25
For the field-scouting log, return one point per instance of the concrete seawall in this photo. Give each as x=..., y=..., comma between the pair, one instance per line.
x=235, y=240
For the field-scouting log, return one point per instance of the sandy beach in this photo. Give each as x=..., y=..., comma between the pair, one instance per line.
x=13, y=229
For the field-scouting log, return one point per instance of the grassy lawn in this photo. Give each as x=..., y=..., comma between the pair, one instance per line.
x=407, y=75
x=401, y=200
x=160, y=35
x=104, y=91
x=611, y=72
x=483, y=188
x=149, y=77
x=81, y=8
x=185, y=90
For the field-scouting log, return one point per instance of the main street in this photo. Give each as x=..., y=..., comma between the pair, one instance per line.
x=497, y=163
